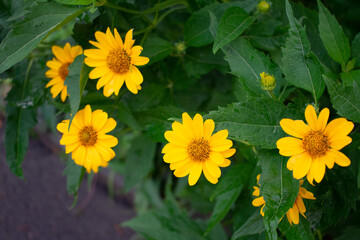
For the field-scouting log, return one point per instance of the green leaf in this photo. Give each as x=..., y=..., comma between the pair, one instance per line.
x=345, y=100
x=156, y=49
x=247, y=63
x=19, y=121
x=332, y=36
x=278, y=187
x=139, y=161
x=125, y=115
x=255, y=121
x=349, y=78
x=76, y=82
x=40, y=21
x=254, y=225
x=301, y=231
x=227, y=192
x=355, y=49
x=74, y=175
x=300, y=66
x=75, y=2
x=232, y=24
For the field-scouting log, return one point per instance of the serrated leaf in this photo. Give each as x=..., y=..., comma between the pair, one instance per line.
x=278, y=187
x=345, y=100
x=247, y=63
x=40, y=21
x=254, y=225
x=255, y=121
x=301, y=231
x=232, y=24
x=332, y=36
x=75, y=2
x=139, y=161
x=76, y=82
x=227, y=192
x=19, y=122
x=156, y=49
x=300, y=66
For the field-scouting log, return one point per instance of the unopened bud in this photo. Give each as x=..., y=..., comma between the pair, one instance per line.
x=263, y=6
x=180, y=47
x=268, y=81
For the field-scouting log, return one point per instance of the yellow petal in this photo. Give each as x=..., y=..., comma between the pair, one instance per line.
x=119, y=81
x=71, y=147
x=177, y=156
x=139, y=61
x=338, y=128
x=76, y=51
x=131, y=85
x=198, y=126
x=79, y=155
x=98, y=72
x=64, y=94
x=226, y=163
x=289, y=146
x=135, y=75
x=63, y=126
x=54, y=81
x=99, y=119
x=306, y=194
x=184, y=170
x=256, y=192
x=318, y=169
x=107, y=140
x=56, y=89
x=213, y=169
x=109, y=88
x=294, y=214
x=296, y=128
x=110, y=39
x=187, y=124
x=135, y=51
x=176, y=139
x=55, y=64
x=78, y=120
x=219, y=137
x=118, y=39
x=104, y=80
x=302, y=165
x=87, y=115
x=217, y=158
x=129, y=42
x=339, y=142
x=323, y=119
x=179, y=129
x=109, y=125
x=96, y=54
x=257, y=202
x=228, y=153
x=310, y=116
x=300, y=205
x=340, y=158
x=195, y=173
x=69, y=139
x=60, y=54
x=208, y=175
x=209, y=127
x=94, y=62
x=102, y=39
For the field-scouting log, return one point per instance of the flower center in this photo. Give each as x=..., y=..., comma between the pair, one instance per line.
x=315, y=143
x=118, y=61
x=88, y=136
x=63, y=70
x=199, y=150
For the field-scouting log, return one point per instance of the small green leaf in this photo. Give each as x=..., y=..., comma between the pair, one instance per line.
x=227, y=192
x=139, y=161
x=255, y=121
x=300, y=66
x=254, y=225
x=345, y=100
x=76, y=82
x=301, y=231
x=332, y=36
x=232, y=24
x=40, y=21
x=278, y=187
x=75, y=2
x=156, y=49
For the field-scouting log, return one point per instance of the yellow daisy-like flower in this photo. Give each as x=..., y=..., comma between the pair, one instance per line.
x=87, y=138
x=59, y=68
x=299, y=206
x=115, y=62
x=193, y=149
x=259, y=201
x=316, y=145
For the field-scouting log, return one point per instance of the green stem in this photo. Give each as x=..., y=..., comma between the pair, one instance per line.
x=110, y=5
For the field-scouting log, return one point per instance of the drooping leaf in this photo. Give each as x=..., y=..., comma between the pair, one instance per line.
x=227, y=192
x=139, y=161
x=301, y=231
x=255, y=121
x=40, y=21
x=332, y=36
x=345, y=100
x=232, y=24
x=278, y=187
x=300, y=66
x=254, y=225
x=74, y=175
x=156, y=49
x=76, y=82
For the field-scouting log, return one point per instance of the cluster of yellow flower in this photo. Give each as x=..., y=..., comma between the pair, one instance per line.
x=192, y=147
x=314, y=147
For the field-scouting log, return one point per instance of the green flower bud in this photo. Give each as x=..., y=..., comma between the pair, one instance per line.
x=268, y=81
x=263, y=6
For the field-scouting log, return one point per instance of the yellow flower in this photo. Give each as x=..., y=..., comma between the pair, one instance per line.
x=263, y=6
x=192, y=149
x=59, y=68
x=87, y=138
x=316, y=145
x=268, y=82
x=115, y=62
x=257, y=202
x=299, y=206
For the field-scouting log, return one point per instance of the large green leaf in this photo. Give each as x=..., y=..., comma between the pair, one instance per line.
x=278, y=187
x=255, y=121
x=227, y=192
x=156, y=49
x=247, y=63
x=300, y=66
x=301, y=231
x=349, y=78
x=254, y=225
x=76, y=82
x=233, y=23
x=75, y=2
x=139, y=161
x=125, y=115
x=40, y=21
x=345, y=100
x=332, y=36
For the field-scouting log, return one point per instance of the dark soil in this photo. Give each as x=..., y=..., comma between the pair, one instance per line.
x=38, y=207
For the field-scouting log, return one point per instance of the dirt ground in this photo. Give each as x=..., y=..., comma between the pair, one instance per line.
x=38, y=207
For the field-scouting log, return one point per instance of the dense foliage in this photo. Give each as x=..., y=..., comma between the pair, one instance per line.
x=206, y=57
